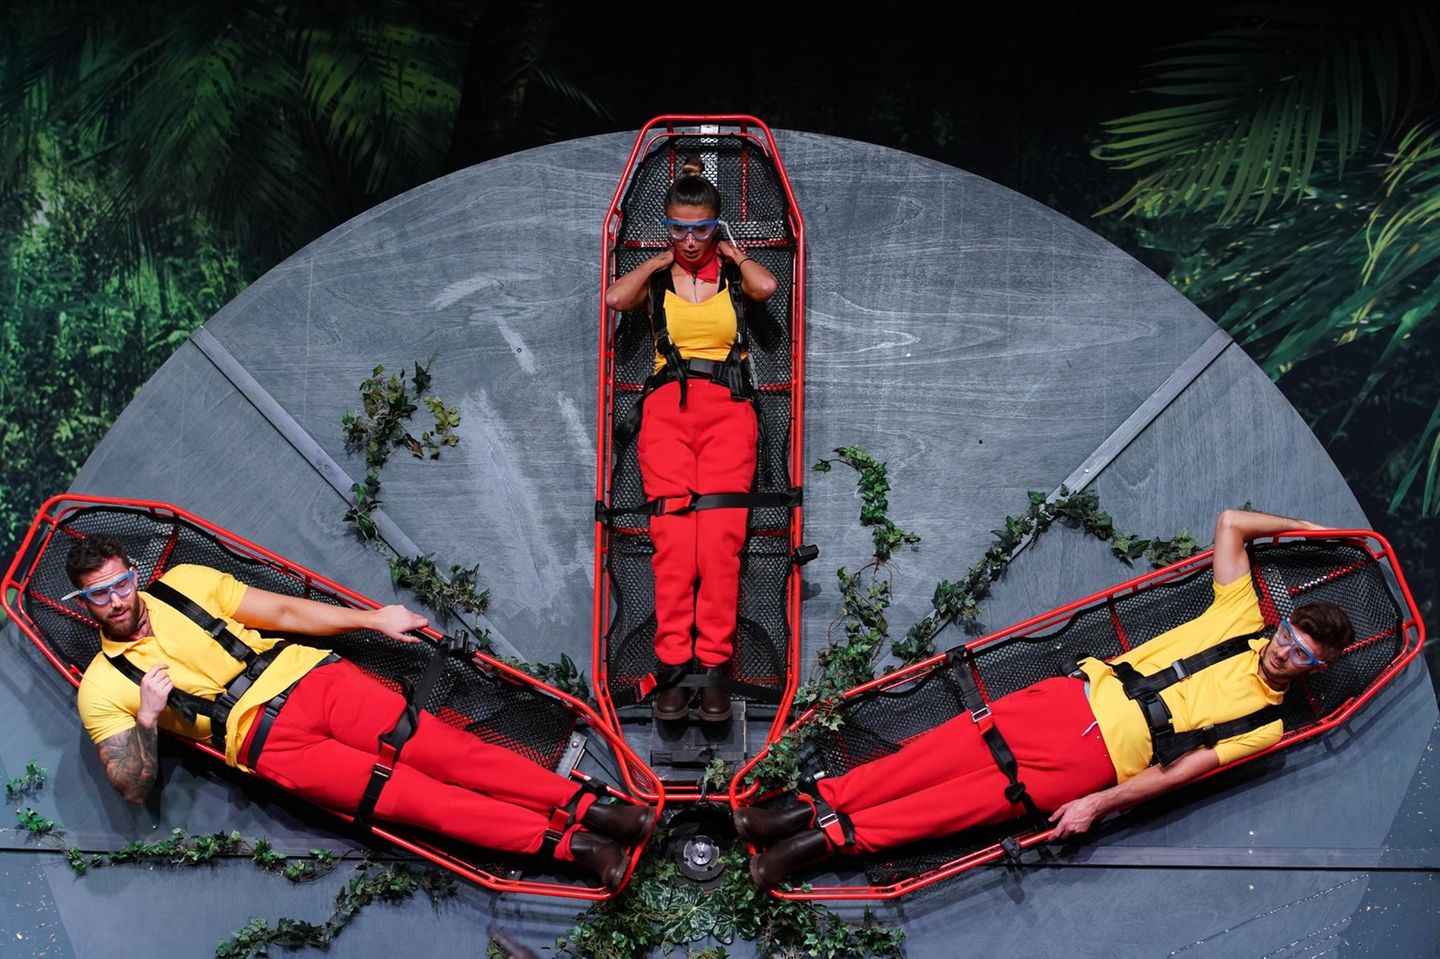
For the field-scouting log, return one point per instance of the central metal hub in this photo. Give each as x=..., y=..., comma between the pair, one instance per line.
x=699, y=838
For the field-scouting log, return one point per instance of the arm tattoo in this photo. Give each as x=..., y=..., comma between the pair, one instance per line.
x=131, y=760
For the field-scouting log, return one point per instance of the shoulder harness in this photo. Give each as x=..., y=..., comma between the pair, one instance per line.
x=1169, y=744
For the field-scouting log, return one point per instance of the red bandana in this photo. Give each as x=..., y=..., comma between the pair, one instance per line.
x=707, y=270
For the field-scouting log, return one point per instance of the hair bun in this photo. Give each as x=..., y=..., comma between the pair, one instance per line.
x=693, y=166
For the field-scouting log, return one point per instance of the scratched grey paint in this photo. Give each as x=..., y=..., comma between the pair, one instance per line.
x=979, y=343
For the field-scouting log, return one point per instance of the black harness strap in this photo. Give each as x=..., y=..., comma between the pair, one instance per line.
x=563, y=817
x=1167, y=743
x=671, y=676
x=393, y=741
x=188, y=705
x=215, y=627
x=1000, y=750
x=693, y=502
x=732, y=372
x=267, y=716
x=836, y=826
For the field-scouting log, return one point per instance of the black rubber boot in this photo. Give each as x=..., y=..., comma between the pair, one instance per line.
x=600, y=855
x=762, y=826
x=770, y=868
x=714, y=702
x=621, y=821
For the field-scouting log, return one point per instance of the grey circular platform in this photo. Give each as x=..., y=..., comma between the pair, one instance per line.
x=978, y=342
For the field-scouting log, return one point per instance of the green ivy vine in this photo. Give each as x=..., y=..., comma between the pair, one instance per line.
x=658, y=909
x=379, y=429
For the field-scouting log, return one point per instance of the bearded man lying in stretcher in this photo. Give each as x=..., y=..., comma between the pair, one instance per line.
x=1163, y=714
x=190, y=650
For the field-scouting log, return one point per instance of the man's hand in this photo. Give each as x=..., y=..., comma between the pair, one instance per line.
x=155, y=689
x=396, y=621
x=1076, y=816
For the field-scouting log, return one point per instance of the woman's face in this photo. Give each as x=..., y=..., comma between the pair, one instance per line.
x=688, y=246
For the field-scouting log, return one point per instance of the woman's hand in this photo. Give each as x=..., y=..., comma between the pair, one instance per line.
x=630, y=291
x=729, y=252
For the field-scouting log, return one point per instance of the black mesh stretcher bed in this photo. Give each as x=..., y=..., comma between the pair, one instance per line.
x=759, y=207
x=474, y=692
x=1355, y=570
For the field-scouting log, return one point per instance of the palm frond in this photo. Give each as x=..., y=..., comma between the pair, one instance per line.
x=1258, y=102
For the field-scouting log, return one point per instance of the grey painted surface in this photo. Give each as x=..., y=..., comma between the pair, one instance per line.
x=980, y=344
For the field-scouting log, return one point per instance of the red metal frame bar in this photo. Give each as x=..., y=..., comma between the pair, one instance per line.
x=656, y=132
x=47, y=522
x=1412, y=627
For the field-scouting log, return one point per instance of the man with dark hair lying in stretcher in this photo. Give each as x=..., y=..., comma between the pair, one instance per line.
x=323, y=742
x=1114, y=735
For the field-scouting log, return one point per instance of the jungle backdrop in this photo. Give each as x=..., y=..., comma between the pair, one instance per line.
x=1278, y=165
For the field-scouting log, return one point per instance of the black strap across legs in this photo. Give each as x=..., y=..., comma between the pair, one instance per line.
x=963, y=662
x=390, y=744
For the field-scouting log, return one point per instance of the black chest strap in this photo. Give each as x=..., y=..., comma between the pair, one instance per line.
x=1167, y=743
x=188, y=705
x=732, y=372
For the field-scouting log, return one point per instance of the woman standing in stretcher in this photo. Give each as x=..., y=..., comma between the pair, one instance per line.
x=697, y=435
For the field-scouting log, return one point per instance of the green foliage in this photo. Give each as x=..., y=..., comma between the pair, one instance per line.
x=461, y=589
x=387, y=404
x=716, y=777
x=82, y=326
x=658, y=910
x=564, y=675
x=393, y=884
x=873, y=485
x=1332, y=112
x=1255, y=104
x=319, y=863
x=367, y=500
x=181, y=849
x=32, y=781
x=34, y=823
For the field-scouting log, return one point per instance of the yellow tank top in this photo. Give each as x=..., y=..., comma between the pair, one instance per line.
x=700, y=331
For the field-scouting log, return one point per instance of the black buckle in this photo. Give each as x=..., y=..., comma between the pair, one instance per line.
x=216, y=627
x=980, y=714
x=804, y=554
x=1010, y=846
x=1015, y=792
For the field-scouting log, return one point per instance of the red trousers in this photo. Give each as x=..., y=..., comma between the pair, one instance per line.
x=324, y=743
x=946, y=781
x=706, y=447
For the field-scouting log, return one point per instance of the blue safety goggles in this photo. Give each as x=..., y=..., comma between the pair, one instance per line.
x=1298, y=652
x=101, y=593
x=701, y=230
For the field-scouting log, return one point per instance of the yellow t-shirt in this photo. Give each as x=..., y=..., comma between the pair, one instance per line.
x=109, y=702
x=1227, y=690
x=700, y=331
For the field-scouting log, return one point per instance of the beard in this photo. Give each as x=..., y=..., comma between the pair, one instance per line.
x=123, y=627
